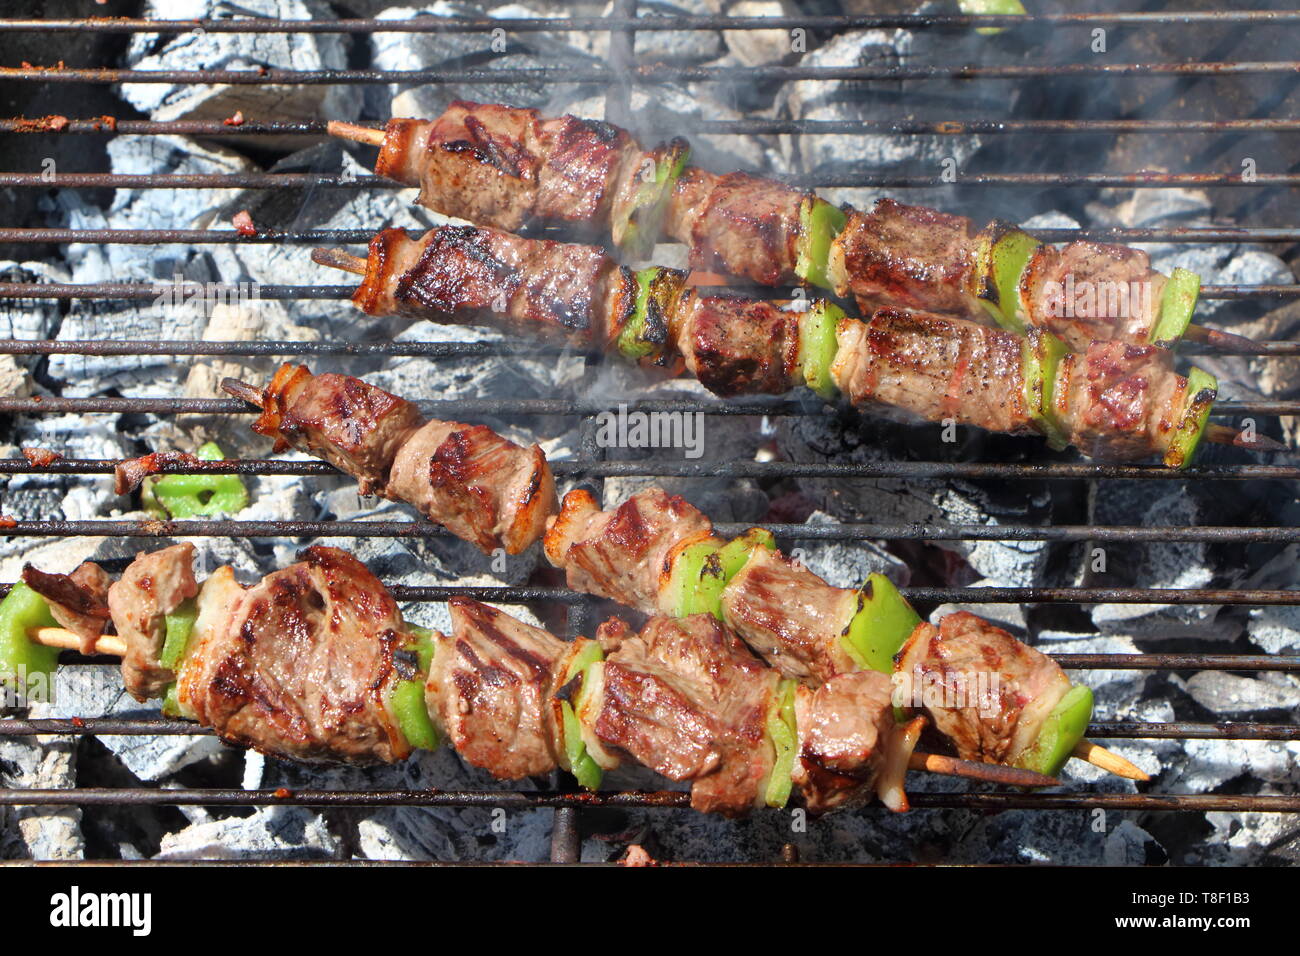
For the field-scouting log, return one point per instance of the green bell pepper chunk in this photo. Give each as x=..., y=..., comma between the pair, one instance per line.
x=691, y=567
x=701, y=591
x=645, y=334
x=1041, y=355
x=783, y=733
x=636, y=231
x=1061, y=733
x=180, y=625
x=25, y=665
x=734, y=555
x=189, y=496
x=579, y=763
x=987, y=7
x=1000, y=257
x=880, y=626
x=819, y=224
x=1202, y=390
x=406, y=697
x=818, y=346
x=1177, y=303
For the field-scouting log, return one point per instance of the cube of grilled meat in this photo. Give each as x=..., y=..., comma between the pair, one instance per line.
x=479, y=486
x=78, y=601
x=356, y=427
x=988, y=693
x=738, y=346
x=153, y=586
x=1120, y=401
x=688, y=699
x=934, y=368
x=790, y=617
x=849, y=745
x=737, y=223
x=490, y=688
x=300, y=664
x=622, y=554
x=1091, y=291
x=505, y=167
x=464, y=275
x=906, y=257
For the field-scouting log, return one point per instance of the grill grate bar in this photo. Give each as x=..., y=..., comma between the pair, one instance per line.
x=843, y=180
x=518, y=406
x=648, y=73
x=746, y=469
x=435, y=24
x=662, y=799
x=212, y=528
x=390, y=347
x=153, y=237
x=937, y=595
x=1112, y=729
x=152, y=290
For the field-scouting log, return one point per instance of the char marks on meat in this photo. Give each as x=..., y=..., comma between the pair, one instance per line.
x=1120, y=401
x=845, y=729
x=747, y=226
x=78, y=601
x=739, y=346
x=984, y=690
x=620, y=554
x=790, y=617
x=300, y=665
x=689, y=700
x=153, y=586
x=581, y=169
x=490, y=687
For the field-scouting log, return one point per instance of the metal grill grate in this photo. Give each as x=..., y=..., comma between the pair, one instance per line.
x=623, y=71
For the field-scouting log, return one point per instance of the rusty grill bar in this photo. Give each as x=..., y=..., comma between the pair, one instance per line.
x=621, y=72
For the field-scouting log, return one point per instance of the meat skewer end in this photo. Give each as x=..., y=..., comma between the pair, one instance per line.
x=355, y=133
x=1109, y=761
x=338, y=259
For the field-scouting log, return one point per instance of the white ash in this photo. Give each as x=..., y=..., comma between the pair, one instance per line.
x=847, y=564
x=281, y=51
x=758, y=48
x=1233, y=696
x=276, y=833
x=28, y=318
x=40, y=833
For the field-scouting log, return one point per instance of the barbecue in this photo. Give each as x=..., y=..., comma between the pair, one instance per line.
x=1114, y=400
x=225, y=176
x=315, y=664
x=505, y=167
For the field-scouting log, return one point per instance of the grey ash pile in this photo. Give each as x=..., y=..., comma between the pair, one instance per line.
x=1178, y=766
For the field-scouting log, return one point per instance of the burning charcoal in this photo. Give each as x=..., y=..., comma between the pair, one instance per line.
x=241, y=51
x=1129, y=845
x=1212, y=763
x=847, y=564
x=1250, y=839
x=1232, y=695
x=1275, y=629
x=31, y=763
x=279, y=833
x=26, y=318
x=760, y=47
x=659, y=46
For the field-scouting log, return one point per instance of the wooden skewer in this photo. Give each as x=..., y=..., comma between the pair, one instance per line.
x=249, y=393
x=932, y=763
x=1227, y=435
x=65, y=639
x=1099, y=756
x=1228, y=341
x=991, y=772
x=358, y=134
x=338, y=259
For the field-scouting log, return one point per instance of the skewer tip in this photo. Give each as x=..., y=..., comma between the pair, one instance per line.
x=338, y=259
x=1109, y=761
x=1227, y=341
x=1227, y=435
x=971, y=770
x=356, y=133
x=239, y=389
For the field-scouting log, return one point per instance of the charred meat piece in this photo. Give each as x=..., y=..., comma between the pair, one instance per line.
x=908, y=257
x=621, y=554
x=584, y=162
x=479, y=486
x=849, y=746
x=739, y=346
x=356, y=427
x=689, y=700
x=739, y=224
x=153, y=586
x=1120, y=401
x=482, y=276
x=790, y=617
x=984, y=690
x=78, y=601
x=299, y=665
x=1091, y=291
x=490, y=687
x=933, y=368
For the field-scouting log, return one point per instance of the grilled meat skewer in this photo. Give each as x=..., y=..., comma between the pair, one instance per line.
x=315, y=664
x=505, y=167
x=479, y=486
x=1113, y=401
